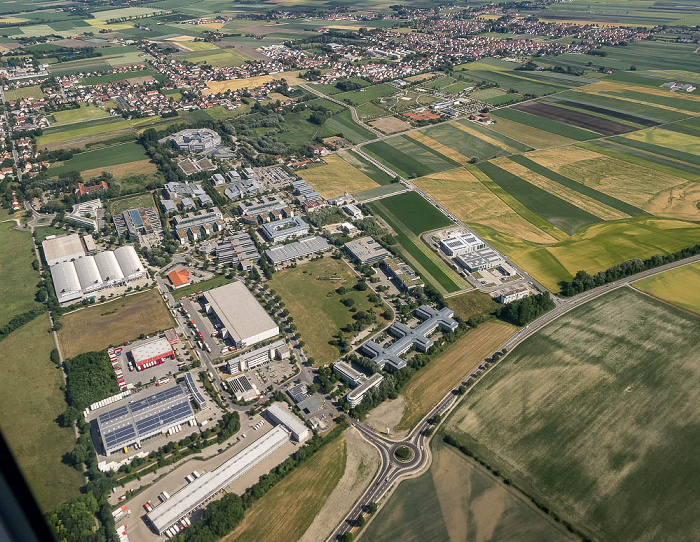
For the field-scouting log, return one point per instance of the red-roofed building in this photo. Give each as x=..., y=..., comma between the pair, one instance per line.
x=179, y=278
x=81, y=189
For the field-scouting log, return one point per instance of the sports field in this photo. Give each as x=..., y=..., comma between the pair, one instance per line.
x=312, y=301
x=30, y=401
x=445, y=372
x=680, y=286
x=457, y=501
x=113, y=323
x=596, y=416
x=16, y=272
x=336, y=177
x=301, y=495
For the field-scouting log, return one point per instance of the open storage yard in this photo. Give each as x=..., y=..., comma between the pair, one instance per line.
x=458, y=500
x=113, y=323
x=596, y=417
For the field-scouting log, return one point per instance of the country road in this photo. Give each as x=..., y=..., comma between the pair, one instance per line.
x=392, y=470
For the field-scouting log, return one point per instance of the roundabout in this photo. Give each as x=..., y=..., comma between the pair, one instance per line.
x=403, y=453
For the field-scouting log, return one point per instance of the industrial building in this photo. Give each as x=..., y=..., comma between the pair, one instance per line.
x=260, y=356
x=280, y=414
x=62, y=249
x=238, y=249
x=244, y=320
x=402, y=274
x=479, y=260
x=202, y=489
x=73, y=280
x=151, y=353
x=281, y=230
x=265, y=204
x=461, y=243
x=143, y=418
x=366, y=250
x=138, y=223
x=195, y=394
x=243, y=388
x=353, y=211
x=361, y=383
x=193, y=140
x=302, y=248
x=407, y=337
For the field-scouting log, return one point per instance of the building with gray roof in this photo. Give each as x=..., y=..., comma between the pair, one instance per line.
x=62, y=249
x=286, y=228
x=279, y=412
x=302, y=248
x=366, y=250
x=238, y=249
x=407, y=337
x=479, y=260
x=193, y=139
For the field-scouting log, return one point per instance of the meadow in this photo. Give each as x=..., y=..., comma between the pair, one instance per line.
x=30, y=400
x=113, y=323
x=102, y=158
x=16, y=272
x=409, y=157
x=311, y=300
x=435, y=380
x=470, y=304
x=457, y=501
x=343, y=124
x=367, y=168
x=596, y=417
x=335, y=177
x=301, y=495
x=680, y=287
x=120, y=205
x=465, y=142
x=81, y=114
x=415, y=213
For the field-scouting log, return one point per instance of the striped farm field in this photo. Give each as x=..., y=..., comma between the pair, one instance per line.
x=545, y=124
x=650, y=97
x=647, y=111
x=671, y=144
x=409, y=157
x=679, y=286
x=528, y=135
x=466, y=143
x=494, y=138
x=439, y=147
x=571, y=117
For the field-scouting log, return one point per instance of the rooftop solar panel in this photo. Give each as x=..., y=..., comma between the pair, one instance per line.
x=136, y=218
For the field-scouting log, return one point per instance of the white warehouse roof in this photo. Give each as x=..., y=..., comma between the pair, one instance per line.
x=88, y=274
x=153, y=349
x=108, y=266
x=129, y=261
x=65, y=280
x=299, y=430
x=63, y=249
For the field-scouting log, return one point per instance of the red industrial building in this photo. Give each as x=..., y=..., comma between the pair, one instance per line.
x=152, y=353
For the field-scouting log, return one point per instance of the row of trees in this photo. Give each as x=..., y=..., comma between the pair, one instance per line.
x=523, y=311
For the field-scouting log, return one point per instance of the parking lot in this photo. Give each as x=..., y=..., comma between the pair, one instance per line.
x=138, y=378
x=204, y=326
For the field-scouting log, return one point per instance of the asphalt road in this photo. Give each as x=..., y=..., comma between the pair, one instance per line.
x=392, y=470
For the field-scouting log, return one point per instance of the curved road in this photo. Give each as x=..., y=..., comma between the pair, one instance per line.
x=392, y=470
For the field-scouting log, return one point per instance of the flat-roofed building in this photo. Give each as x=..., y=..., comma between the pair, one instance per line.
x=286, y=228
x=461, y=243
x=129, y=262
x=513, y=294
x=355, y=396
x=243, y=388
x=244, y=320
x=402, y=274
x=238, y=249
x=281, y=414
x=479, y=260
x=347, y=373
x=62, y=249
x=302, y=248
x=366, y=250
x=202, y=489
x=152, y=353
x=256, y=358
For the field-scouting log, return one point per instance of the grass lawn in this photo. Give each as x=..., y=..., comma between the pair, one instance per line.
x=442, y=374
x=42, y=232
x=597, y=417
x=19, y=278
x=312, y=301
x=301, y=495
x=33, y=91
x=680, y=287
x=81, y=114
x=113, y=323
x=335, y=177
x=102, y=158
x=218, y=280
x=130, y=202
x=471, y=304
x=459, y=500
x=30, y=400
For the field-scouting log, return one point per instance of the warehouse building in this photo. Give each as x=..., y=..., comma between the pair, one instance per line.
x=143, y=418
x=244, y=320
x=480, y=260
x=279, y=413
x=281, y=230
x=461, y=243
x=366, y=250
x=302, y=248
x=62, y=249
x=74, y=280
x=259, y=356
x=152, y=353
x=210, y=483
x=407, y=337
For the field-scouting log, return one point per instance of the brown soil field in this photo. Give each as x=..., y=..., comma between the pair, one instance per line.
x=251, y=82
x=140, y=80
x=534, y=137
x=439, y=147
x=484, y=137
x=388, y=415
x=567, y=194
x=595, y=124
x=139, y=167
x=390, y=125
x=113, y=323
x=361, y=465
x=464, y=195
x=443, y=373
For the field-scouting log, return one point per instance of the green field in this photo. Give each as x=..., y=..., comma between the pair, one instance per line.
x=102, y=158
x=668, y=152
x=120, y=205
x=409, y=157
x=81, y=114
x=415, y=213
x=554, y=210
x=369, y=169
x=342, y=123
x=367, y=94
x=464, y=143
x=470, y=304
x=596, y=416
x=545, y=124
x=30, y=400
x=33, y=91
x=16, y=272
x=311, y=300
x=680, y=287
x=459, y=501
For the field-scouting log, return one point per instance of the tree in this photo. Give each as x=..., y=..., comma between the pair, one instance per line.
x=348, y=537
x=372, y=507
x=462, y=390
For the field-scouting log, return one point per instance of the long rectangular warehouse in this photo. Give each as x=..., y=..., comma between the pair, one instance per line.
x=210, y=483
x=143, y=418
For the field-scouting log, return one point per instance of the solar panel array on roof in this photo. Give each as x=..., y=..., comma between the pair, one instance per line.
x=240, y=384
x=198, y=397
x=136, y=217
